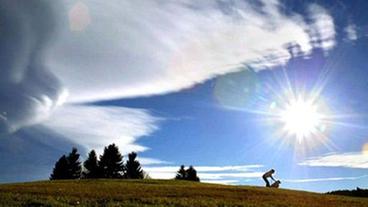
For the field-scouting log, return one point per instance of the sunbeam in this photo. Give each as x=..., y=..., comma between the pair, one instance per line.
x=301, y=118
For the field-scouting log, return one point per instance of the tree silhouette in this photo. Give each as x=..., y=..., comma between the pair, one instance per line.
x=192, y=174
x=67, y=167
x=74, y=165
x=181, y=174
x=92, y=169
x=60, y=170
x=110, y=163
x=133, y=167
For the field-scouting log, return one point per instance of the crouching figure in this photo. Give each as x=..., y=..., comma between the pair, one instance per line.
x=276, y=184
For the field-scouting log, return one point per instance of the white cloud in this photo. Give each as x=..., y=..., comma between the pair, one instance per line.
x=29, y=92
x=351, y=32
x=151, y=161
x=211, y=174
x=138, y=48
x=347, y=160
x=160, y=175
x=241, y=168
x=95, y=50
x=97, y=126
x=217, y=176
x=228, y=168
x=322, y=29
x=309, y=180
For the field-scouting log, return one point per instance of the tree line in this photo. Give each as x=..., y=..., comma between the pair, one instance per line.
x=109, y=165
x=358, y=192
x=187, y=174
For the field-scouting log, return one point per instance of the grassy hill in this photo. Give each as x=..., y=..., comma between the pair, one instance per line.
x=160, y=193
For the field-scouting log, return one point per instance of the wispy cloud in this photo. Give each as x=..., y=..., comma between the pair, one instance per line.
x=195, y=41
x=212, y=174
x=322, y=29
x=309, y=180
x=151, y=161
x=97, y=126
x=242, y=168
x=245, y=168
x=29, y=92
x=217, y=176
x=347, y=160
x=91, y=50
x=351, y=32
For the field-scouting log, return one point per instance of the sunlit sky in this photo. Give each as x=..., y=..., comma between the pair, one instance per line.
x=234, y=88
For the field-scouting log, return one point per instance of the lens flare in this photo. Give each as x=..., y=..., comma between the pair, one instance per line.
x=301, y=118
x=365, y=149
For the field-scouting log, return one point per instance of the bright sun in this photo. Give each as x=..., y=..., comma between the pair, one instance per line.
x=301, y=118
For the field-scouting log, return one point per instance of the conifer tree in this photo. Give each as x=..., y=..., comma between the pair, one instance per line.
x=111, y=164
x=181, y=174
x=67, y=167
x=91, y=168
x=192, y=174
x=133, y=167
x=60, y=170
x=74, y=165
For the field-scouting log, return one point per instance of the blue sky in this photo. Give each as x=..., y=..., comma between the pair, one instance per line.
x=183, y=82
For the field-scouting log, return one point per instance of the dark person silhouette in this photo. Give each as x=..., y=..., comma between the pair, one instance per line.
x=268, y=175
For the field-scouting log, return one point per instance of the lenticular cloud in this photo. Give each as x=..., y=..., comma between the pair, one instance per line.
x=85, y=51
x=29, y=91
x=140, y=48
x=97, y=126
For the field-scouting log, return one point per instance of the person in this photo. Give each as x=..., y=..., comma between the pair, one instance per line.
x=268, y=175
x=276, y=184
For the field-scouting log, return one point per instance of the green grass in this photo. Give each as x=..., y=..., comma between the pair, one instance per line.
x=160, y=193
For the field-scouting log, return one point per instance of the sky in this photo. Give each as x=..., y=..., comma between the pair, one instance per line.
x=213, y=84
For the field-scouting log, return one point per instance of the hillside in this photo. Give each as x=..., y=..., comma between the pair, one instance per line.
x=160, y=193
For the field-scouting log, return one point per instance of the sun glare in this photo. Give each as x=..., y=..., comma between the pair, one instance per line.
x=301, y=118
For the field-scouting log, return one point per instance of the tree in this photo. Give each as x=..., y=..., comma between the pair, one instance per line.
x=110, y=163
x=192, y=174
x=74, y=164
x=60, y=170
x=181, y=174
x=67, y=167
x=91, y=167
x=133, y=167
